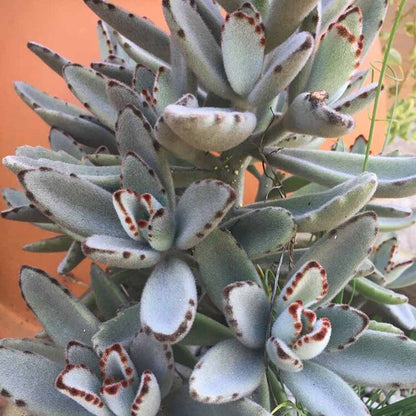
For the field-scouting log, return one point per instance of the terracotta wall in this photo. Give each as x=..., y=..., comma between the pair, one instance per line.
x=69, y=28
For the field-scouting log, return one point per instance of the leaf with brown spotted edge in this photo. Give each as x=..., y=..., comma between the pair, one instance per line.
x=78, y=383
x=49, y=57
x=180, y=403
x=172, y=285
x=45, y=295
x=209, y=128
x=89, y=87
x=54, y=194
x=246, y=308
x=138, y=29
x=242, y=44
x=396, y=176
x=222, y=261
x=201, y=208
x=323, y=392
x=227, y=372
x=198, y=45
x=348, y=324
x=149, y=354
x=378, y=359
x=263, y=230
x=308, y=284
x=17, y=384
x=309, y=114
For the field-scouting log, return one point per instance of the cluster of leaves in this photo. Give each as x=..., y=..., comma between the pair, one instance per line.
x=149, y=180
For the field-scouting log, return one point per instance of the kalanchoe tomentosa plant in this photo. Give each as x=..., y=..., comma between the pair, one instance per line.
x=148, y=179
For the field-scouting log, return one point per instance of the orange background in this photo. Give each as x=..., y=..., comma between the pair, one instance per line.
x=67, y=27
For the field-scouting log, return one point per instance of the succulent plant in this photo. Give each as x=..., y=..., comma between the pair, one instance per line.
x=148, y=179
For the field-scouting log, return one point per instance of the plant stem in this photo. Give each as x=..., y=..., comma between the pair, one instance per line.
x=380, y=81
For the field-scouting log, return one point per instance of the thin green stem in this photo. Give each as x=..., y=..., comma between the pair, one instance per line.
x=380, y=81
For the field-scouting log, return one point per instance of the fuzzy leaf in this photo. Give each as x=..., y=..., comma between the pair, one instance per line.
x=78, y=353
x=211, y=15
x=149, y=354
x=164, y=89
x=64, y=142
x=48, y=350
x=138, y=29
x=81, y=385
x=347, y=324
x=389, y=210
x=356, y=102
x=14, y=198
x=335, y=61
x=353, y=238
x=283, y=19
x=282, y=355
x=108, y=295
x=89, y=87
x=227, y=372
x=314, y=342
x=198, y=45
x=396, y=175
x=261, y=231
x=209, y=129
x=288, y=325
x=50, y=57
x=172, y=285
x=44, y=295
x=323, y=392
x=172, y=142
x=378, y=293
x=27, y=213
x=377, y=359
x=308, y=284
x=40, y=397
x=242, y=44
x=404, y=315
x=180, y=403
x=140, y=55
x=83, y=128
x=127, y=205
x=395, y=224
x=147, y=400
x=246, y=309
x=222, y=261
x=73, y=257
x=121, y=95
x=374, y=13
x=50, y=245
x=324, y=210
x=161, y=230
x=119, y=252
x=121, y=329
x=144, y=78
x=114, y=71
x=202, y=206
x=56, y=193
x=132, y=168
x=331, y=10
x=36, y=99
x=308, y=114
x=284, y=64
x=134, y=134
x=104, y=176
x=407, y=278
x=352, y=19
